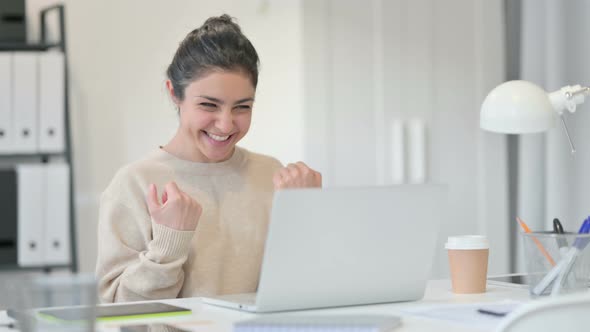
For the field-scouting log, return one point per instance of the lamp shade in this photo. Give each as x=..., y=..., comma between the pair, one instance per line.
x=517, y=107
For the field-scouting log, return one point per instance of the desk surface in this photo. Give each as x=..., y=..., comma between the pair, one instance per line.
x=211, y=318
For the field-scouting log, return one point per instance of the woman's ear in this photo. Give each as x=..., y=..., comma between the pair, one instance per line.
x=170, y=89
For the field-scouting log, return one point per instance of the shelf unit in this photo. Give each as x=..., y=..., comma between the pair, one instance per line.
x=44, y=158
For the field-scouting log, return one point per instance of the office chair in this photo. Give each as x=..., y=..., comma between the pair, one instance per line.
x=562, y=313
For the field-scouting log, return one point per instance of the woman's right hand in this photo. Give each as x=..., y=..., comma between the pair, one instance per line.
x=178, y=210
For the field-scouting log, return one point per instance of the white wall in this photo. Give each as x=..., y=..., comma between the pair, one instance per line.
x=407, y=58
x=372, y=62
x=553, y=182
x=118, y=54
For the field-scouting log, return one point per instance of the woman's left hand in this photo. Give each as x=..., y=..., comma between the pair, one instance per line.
x=297, y=175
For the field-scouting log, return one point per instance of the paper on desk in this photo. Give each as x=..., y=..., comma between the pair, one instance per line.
x=466, y=314
x=5, y=321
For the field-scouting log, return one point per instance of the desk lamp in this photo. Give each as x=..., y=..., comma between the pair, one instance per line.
x=521, y=107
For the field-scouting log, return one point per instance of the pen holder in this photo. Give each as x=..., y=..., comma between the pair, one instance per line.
x=556, y=263
x=49, y=291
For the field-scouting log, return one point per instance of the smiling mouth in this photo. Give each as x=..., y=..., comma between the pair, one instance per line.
x=218, y=138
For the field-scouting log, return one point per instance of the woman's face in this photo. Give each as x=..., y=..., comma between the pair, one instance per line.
x=216, y=113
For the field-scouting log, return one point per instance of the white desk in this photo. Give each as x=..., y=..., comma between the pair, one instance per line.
x=211, y=318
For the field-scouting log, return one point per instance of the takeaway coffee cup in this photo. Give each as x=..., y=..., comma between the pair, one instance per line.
x=468, y=262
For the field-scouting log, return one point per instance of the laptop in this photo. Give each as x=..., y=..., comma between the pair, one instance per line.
x=345, y=246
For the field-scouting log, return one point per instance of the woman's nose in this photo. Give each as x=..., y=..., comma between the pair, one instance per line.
x=225, y=122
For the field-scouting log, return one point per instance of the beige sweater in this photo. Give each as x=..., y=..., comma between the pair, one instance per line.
x=139, y=259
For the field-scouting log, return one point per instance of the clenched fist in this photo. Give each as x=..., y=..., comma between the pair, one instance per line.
x=297, y=175
x=177, y=210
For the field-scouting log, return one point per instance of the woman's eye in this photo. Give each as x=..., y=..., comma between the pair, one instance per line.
x=208, y=105
x=243, y=107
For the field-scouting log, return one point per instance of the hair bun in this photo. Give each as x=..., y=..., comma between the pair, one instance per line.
x=217, y=44
x=220, y=24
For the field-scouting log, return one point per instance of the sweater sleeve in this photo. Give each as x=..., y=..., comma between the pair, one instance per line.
x=138, y=259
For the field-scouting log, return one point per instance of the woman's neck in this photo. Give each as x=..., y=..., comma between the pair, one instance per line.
x=184, y=148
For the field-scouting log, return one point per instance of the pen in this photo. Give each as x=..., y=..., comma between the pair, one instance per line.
x=579, y=245
x=493, y=313
x=539, y=245
x=580, y=242
x=564, y=263
x=558, y=229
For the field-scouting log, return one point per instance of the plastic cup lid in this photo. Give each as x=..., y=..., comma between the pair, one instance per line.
x=467, y=242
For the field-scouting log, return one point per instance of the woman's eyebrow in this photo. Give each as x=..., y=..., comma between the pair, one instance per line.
x=219, y=101
x=244, y=100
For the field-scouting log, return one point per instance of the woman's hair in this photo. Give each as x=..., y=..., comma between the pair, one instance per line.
x=217, y=44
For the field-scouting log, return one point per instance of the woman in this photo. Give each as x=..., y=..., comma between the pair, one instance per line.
x=205, y=234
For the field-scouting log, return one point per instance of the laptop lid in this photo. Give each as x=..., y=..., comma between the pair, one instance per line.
x=349, y=246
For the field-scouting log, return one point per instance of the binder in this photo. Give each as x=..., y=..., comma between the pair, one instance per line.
x=5, y=102
x=25, y=120
x=30, y=215
x=9, y=224
x=57, y=215
x=51, y=102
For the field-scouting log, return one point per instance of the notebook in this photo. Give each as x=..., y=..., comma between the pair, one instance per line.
x=114, y=312
x=315, y=323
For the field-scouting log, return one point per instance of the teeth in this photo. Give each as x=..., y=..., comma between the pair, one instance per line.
x=218, y=138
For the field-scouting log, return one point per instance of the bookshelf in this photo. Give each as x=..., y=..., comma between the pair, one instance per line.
x=64, y=243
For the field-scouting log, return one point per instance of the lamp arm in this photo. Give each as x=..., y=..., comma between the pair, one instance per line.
x=567, y=134
x=568, y=97
x=581, y=91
